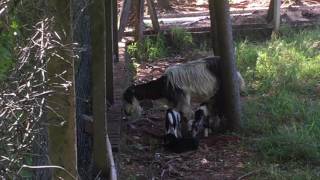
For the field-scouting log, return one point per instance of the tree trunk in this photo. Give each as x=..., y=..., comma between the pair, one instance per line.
x=270, y=11
x=229, y=84
x=139, y=20
x=153, y=16
x=214, y=35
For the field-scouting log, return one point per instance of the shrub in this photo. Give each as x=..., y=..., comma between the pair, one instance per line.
x=181, y=39
x=149, y=49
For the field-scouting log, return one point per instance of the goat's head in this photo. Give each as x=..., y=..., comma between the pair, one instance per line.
x=131, y=104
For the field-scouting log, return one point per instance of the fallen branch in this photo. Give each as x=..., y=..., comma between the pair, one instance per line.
x=249, y=174
x=46, y=167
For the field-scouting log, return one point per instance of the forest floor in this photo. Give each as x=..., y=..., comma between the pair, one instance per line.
x=221, y=156
x=143, y=156
x=194, y=14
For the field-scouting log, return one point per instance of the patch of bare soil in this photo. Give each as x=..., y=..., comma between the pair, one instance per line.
x=142, y=155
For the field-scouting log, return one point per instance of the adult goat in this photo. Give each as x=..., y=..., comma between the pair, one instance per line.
x=199, y=79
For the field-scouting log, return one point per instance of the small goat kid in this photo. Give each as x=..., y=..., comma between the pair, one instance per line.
x=173, y=140
x=204, y=121
x=198, y=79
x=173, y=126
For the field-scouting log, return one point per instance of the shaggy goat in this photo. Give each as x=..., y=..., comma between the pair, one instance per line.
x=198, y=79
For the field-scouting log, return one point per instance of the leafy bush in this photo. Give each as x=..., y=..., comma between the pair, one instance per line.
x=149, y=49
x=181, y=39
x=7, y=38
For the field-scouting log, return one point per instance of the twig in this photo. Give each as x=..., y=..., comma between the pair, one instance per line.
x=248, y=174
x=46, y=167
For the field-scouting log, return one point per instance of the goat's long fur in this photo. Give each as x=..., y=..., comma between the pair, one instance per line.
x=193, y=77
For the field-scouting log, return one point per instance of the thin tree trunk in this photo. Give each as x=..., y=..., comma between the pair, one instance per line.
x=153, y=15
x=214, y=35
x=139, y=20
x=124, y=18
x=270, y=11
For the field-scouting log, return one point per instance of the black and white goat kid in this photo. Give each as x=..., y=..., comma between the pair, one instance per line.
x=204, y=120
x=179, y=84
x=173, y=140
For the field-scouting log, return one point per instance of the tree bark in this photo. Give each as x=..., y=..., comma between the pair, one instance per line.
x=229, y=82
x=139, y=20
x=153, y=15
x=270, y=11
x=124, y=18
x=214, y=35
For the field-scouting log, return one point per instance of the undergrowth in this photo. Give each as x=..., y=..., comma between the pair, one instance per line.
x=153, y=48
x=281, y=115
x=9, y=29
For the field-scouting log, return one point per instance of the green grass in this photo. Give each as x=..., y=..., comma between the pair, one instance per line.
x=281, y=114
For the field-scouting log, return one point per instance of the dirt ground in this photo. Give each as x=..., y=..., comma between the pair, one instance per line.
x=142, y=156
x=196, y=13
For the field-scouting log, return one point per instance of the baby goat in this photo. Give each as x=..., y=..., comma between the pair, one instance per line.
x=173, y=140
x=204, y=121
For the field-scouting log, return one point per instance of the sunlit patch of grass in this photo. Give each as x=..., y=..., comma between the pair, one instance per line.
x=281, y=113
x=289, y=171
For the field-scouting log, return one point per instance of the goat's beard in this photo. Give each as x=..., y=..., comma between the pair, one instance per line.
x=134, y=110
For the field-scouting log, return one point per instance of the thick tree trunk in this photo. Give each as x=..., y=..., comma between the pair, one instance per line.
x=229, y=83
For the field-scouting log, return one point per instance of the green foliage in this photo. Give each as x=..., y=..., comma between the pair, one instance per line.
x=291, y=143
x=181, y=39
x=152, y=48
x=291, y=171
x=288, y=62
x=281, y=114
x=7, y=38
x=149, y=49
